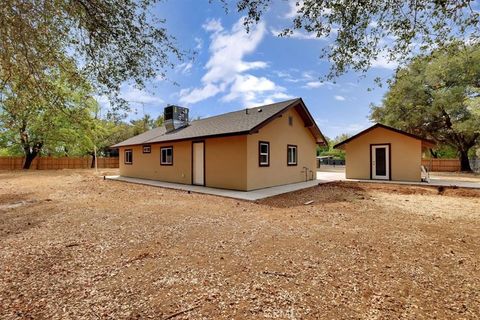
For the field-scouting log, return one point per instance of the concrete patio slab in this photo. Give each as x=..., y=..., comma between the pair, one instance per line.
x=322, y=177
x=242, y=195
x=435, y=182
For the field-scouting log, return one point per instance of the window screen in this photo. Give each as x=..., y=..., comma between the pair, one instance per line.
x=264, y=154
x=292, y=155
x=128, y=156
x=166, y=155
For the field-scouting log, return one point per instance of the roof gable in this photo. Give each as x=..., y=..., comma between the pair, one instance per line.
x=379, y=125
x=233, y=123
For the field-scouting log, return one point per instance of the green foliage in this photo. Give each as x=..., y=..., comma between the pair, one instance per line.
x=330, y=151
x=146, y=123
x=443, y=152
x=113, y=132
x=438, y=96
x=109, y=41
x=365, y=30
x=52, y=116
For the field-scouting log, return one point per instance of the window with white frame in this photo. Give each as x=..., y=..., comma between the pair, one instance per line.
x=147, y=149
x=292, y=155
x=166, y=156
x=263, y=154
x=128, y=156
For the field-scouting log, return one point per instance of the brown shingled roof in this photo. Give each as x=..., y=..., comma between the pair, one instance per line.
x=426, y=142
x=231, y=123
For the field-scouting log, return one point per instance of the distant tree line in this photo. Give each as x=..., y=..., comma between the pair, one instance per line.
x=62, y=135
x=57, y=56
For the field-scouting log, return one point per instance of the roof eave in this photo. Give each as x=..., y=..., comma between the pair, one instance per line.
x=238, y=133
x=425, y=142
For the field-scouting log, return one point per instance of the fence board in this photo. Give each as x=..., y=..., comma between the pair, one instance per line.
x=51, y=163
x=442, y=165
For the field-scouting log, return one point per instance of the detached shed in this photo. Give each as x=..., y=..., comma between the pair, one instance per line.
x=384, y=153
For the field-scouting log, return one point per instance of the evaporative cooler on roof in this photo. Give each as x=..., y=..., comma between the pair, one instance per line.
x=175, y=117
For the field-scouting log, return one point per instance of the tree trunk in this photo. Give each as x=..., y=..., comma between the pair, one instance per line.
x=28, y=160
x=31, y=154
x=464, y=163
x=93, y=160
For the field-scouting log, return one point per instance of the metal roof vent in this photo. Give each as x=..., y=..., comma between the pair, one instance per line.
x=175, y=117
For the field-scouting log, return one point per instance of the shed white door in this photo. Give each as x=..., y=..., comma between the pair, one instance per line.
x=198, y=167
x=381, y=162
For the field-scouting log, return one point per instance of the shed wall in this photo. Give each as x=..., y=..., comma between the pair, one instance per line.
x=406, y=155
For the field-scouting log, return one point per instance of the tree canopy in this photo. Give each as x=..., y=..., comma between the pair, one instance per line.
x=56, y=56
x=56, y=115
x=110, y=42
x=363, y=31
x=438, y=96
x=330, y=151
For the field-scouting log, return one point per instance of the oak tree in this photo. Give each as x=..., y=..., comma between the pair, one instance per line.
x=438, y=96
x=364, y=31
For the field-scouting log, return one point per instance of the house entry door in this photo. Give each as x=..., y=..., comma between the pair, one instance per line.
x=198, y=163
x=380, y=162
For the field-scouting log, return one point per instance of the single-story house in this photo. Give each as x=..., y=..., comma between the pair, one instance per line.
x=384, y=153
x=248, y=149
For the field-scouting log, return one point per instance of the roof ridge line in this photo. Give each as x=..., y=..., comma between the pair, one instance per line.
x=241, y=110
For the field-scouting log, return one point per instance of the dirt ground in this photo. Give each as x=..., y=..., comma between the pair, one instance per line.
x=73, y=246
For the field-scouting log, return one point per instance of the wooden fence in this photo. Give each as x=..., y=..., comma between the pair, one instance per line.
x=51, y=163
x=442, y=165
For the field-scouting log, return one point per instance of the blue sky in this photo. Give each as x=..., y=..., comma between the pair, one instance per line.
x=234, y=70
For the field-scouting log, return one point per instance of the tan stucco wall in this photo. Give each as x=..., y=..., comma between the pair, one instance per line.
x=406, y=155
x=147, y=165
x=226, y=162
x=279, y=133
x=232, y=162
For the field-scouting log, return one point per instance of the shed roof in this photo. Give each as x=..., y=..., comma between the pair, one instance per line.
x=244, y=121
x=425, y=142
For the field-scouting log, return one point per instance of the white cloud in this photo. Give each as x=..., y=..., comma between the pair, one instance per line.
x=255, y=90
x=190, y=96
x=135, y=95
x=199, y=43
x=213, y=25
x=319, y=84
x=249, y=84
x=339, y=98
x=227, y=66
x=383, y=62
x=293, y=9
x=185, y=67
x=295, y=76
x=314, y=84
x=228, y=50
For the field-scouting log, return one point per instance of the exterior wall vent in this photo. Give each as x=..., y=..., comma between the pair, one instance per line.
x=175, y=117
